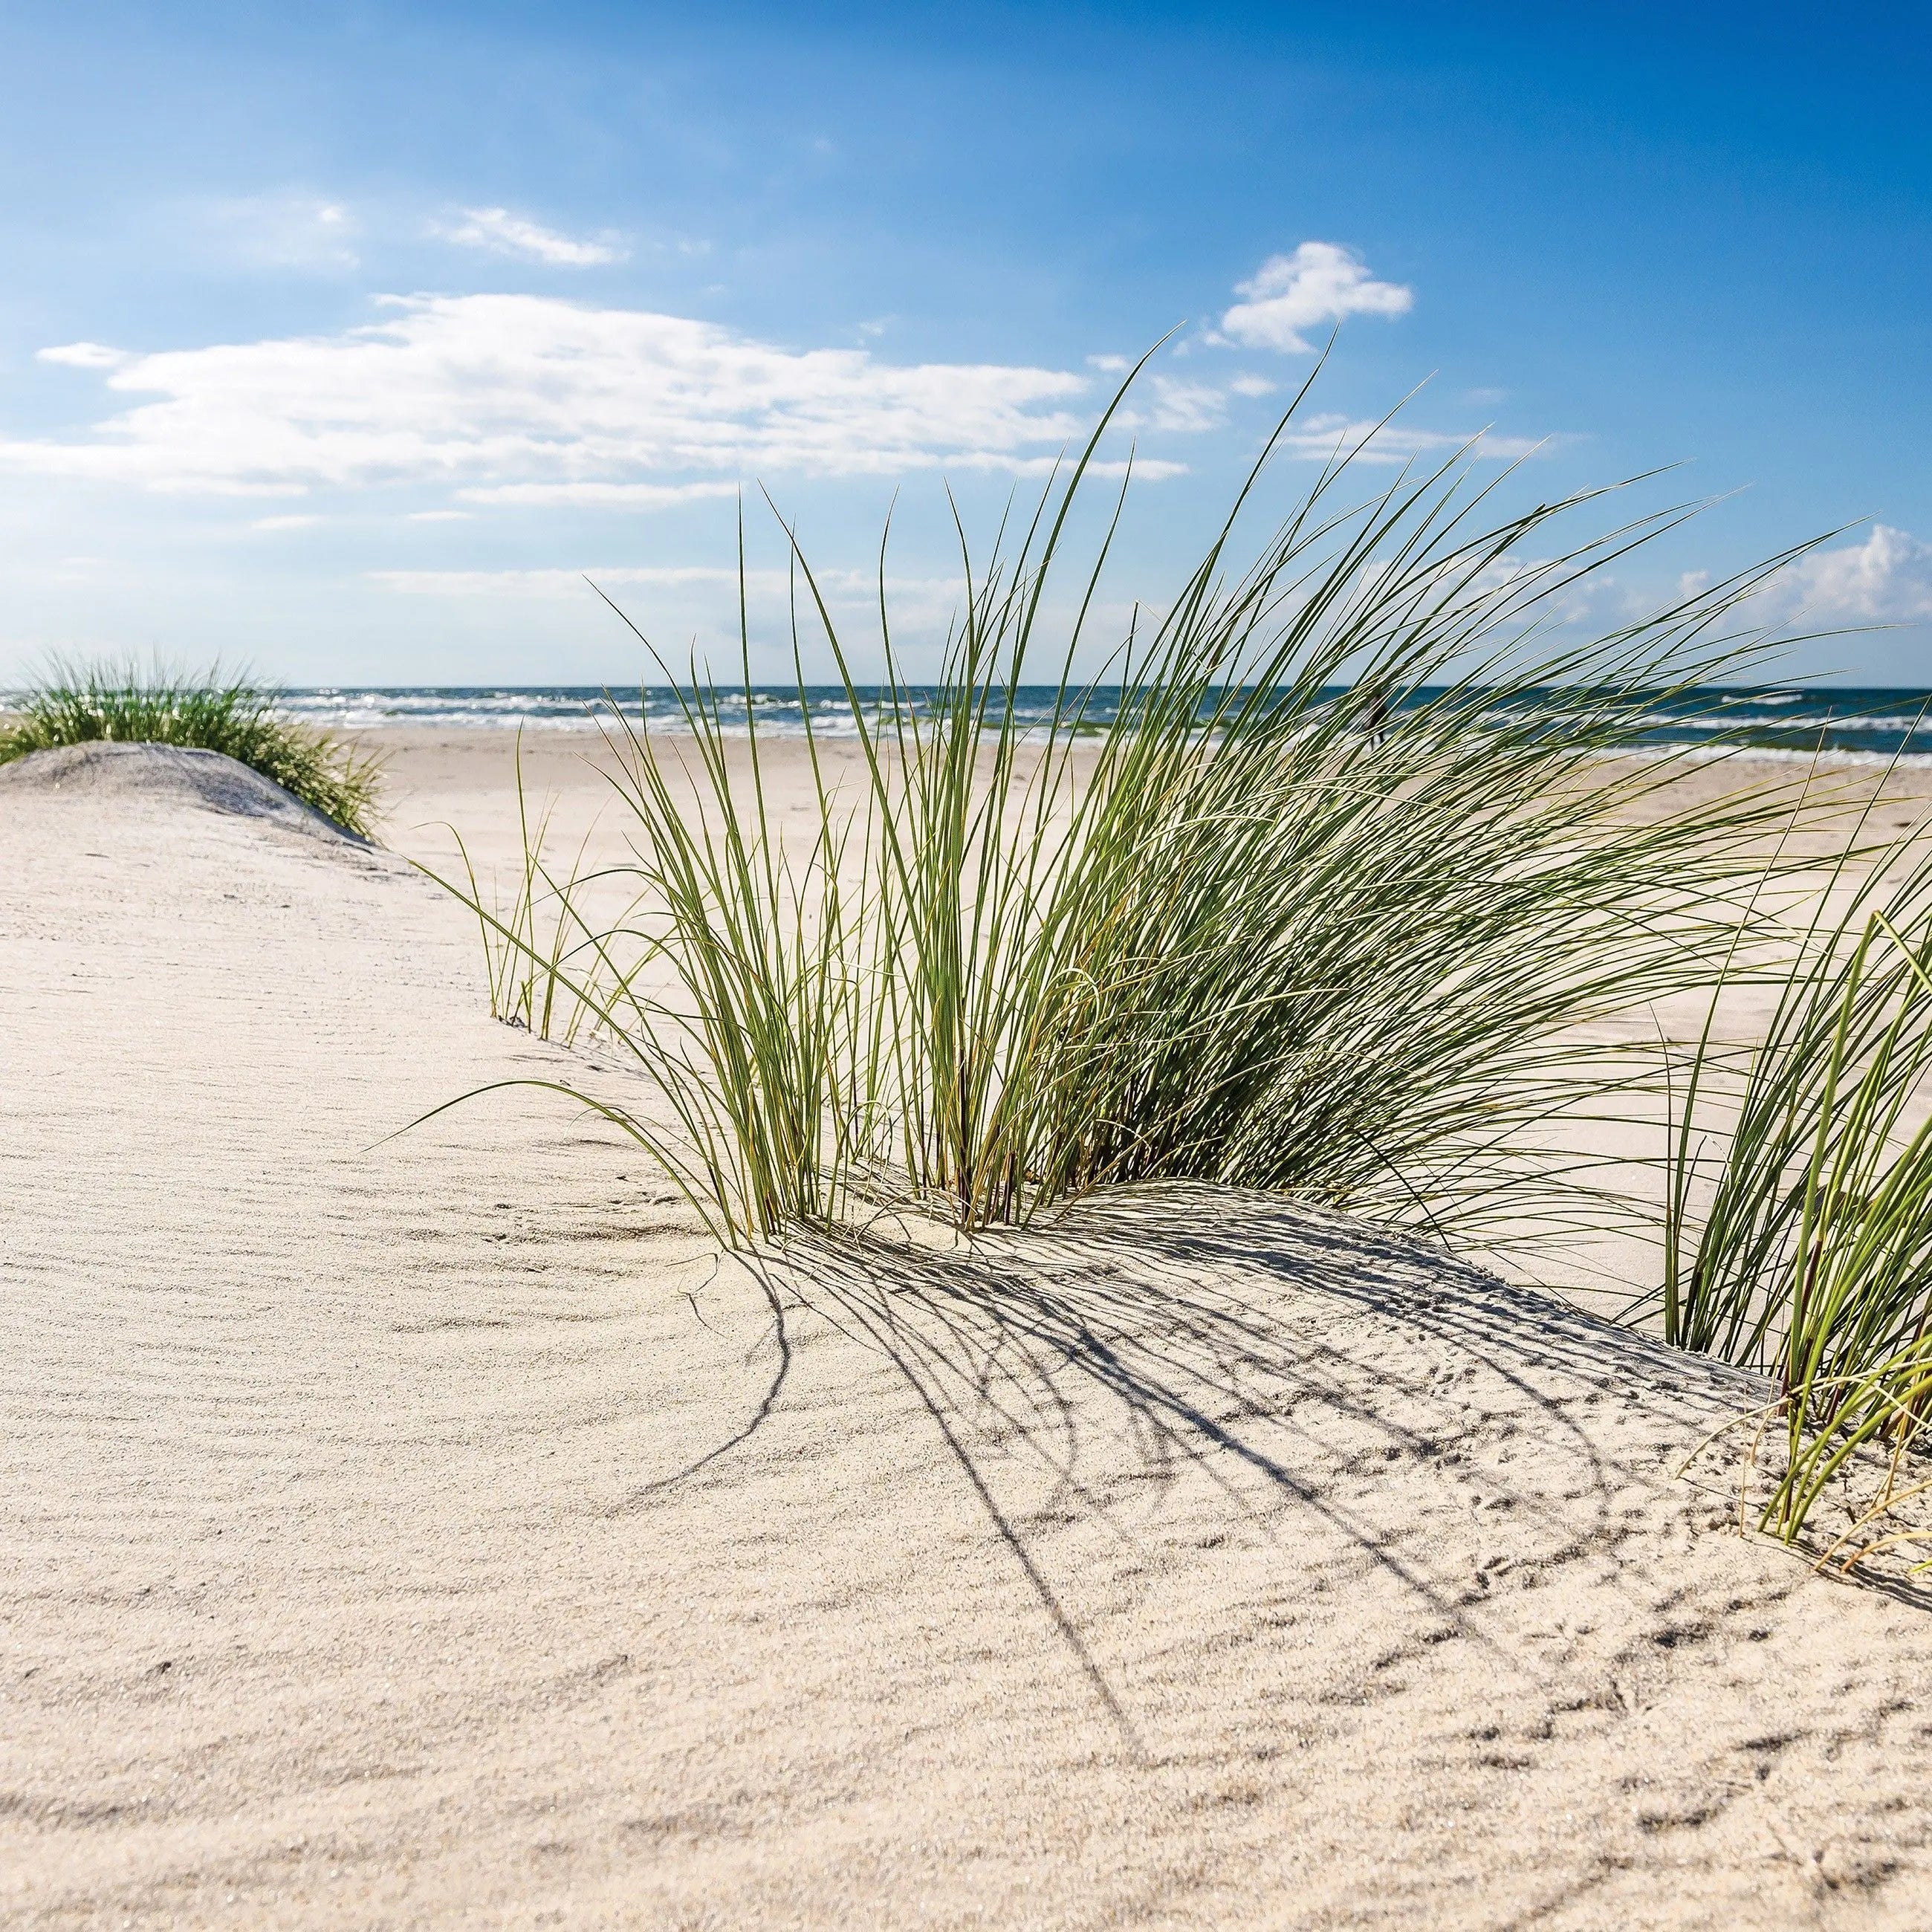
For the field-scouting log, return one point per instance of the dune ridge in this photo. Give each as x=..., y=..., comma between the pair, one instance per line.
x=103, y=768
x=428, y=1530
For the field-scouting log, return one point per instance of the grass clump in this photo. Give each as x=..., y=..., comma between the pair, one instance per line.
x=1311, y=890
x=212, y=712
x=1810, y=1259
x=1325, y=885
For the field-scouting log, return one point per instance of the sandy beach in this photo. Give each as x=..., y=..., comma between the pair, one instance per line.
x=426, y=1528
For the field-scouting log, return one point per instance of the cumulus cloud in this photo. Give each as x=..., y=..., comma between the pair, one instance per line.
x=283, y=523
x=1321, y=282
x=482, y=392
x=1887, y=579
x=504, y=233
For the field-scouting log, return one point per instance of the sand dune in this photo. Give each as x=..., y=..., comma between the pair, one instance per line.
x=427, y=1530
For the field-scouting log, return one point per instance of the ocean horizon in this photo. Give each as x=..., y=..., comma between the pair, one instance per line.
x=1839, y=722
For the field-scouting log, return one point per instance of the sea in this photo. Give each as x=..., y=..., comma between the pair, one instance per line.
x=1839, y=722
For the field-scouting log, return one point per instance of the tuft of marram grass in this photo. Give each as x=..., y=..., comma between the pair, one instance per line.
x=121, y=703
x=1312, y=894
x=1811, y=1257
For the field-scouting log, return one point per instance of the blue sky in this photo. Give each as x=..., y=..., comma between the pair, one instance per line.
x=343, y=344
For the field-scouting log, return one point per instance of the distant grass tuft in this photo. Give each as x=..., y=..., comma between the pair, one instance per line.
x=119, y=703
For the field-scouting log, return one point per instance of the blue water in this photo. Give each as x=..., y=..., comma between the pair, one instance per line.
x=1839, y=721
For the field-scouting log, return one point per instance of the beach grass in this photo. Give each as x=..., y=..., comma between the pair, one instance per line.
x=1321, y=886
x=1311, y=890
x=1810, y=1256
x=533, y=941
x=214, y=711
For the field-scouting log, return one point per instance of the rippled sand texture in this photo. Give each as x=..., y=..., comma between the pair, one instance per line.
x=424, y=1531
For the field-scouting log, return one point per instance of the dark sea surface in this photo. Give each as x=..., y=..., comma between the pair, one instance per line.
x=1840, y=720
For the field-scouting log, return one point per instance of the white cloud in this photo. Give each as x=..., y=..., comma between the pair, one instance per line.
x=1885, y=579
x=503, y=233
x=1147, y=468
x=551, y=583
x=283, y=523
x=437, y=517
x=682, y=603
x=1251, y=385
x=84, y=355
x=1318, y=438
x=1187, y=407
x=1597, y=597
x=589, y=495
x=1110, y=365
x=1321, y=282
x=857, y=587
x=482, y=391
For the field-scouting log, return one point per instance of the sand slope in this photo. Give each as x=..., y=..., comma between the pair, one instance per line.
x=425, y=1531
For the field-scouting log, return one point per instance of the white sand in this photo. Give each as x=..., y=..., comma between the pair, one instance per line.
x=424, y=1531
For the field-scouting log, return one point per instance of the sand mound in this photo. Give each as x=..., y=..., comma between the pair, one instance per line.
x=426, y=1531
x=162, y=776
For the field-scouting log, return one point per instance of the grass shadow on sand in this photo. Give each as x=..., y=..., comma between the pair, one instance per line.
x=1308, y=1369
